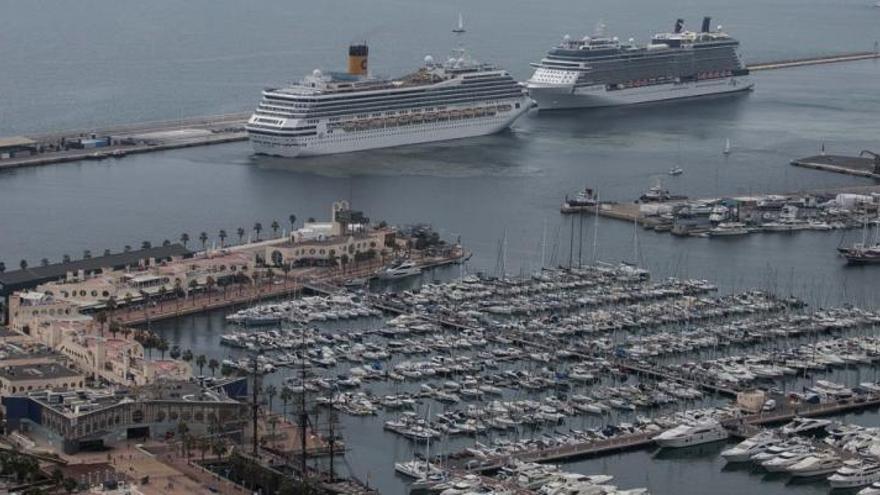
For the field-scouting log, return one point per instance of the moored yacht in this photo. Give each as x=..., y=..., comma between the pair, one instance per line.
x=694, y=434
x=818, y=464
x=854, y=474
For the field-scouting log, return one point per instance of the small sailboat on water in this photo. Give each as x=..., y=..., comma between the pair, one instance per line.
x=727, y=147
x=460, y=27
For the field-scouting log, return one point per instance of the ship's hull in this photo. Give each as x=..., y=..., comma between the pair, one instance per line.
x=550, y=97
x=387, y=137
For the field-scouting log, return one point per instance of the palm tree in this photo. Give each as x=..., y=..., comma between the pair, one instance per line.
x=101, y=318
x=201, y=361
x=271, y=392
x=65, y=258
x=114, y=328
x=187, y=355
x=286, y=396
x=146, y=245
x=126, y=249
x=107, y=252
x=222, y=236
x=275, y=226
x=204, y=238
x=23, y=264
x=258, y=227
x=210, y=283
x=213, y=364
x=166, y=243
x=184, y=238
x=44, y=262
x=182, y=431
x=292, y=220
x=162, y=346
x=87, y=254
x=2, y=267
x=240, y=233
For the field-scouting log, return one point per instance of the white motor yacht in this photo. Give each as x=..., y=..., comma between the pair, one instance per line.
x=819, y=464
x=744, y=450
x=874, y=489
x=782, y=461
x=855, y=474
x=800, y=425
x=402, y=270
x=688, y=435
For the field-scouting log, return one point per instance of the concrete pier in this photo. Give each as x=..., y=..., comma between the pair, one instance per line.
x=849, y=165
x=828, y=59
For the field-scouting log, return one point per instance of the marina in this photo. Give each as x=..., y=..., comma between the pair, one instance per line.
x=468, y=319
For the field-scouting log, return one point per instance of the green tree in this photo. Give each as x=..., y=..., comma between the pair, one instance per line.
x=203, y=237
x=2, y=267
x=175, y=352
x=146, y=245
x=201, y=361
x=23, y=264
x=70, y=485
x=87, y=254
x=222, y=236
x=240, y=233
x=258, y=227
x=65, y=258
x=187, y=355
x=184, y=238
x=292, y=220
x=275, y=226
x=44, y=262
x=213, y=364
x=166, y=243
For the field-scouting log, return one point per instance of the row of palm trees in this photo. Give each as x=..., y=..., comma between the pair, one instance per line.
x=240, y=232
x=184, y=239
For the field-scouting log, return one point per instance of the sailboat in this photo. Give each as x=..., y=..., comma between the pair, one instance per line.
x=727, y=147
x=460, y=27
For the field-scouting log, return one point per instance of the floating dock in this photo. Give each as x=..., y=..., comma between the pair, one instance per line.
x=849, y=165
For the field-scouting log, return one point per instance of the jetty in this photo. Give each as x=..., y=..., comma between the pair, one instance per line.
x=820, y=60
x=865, y=165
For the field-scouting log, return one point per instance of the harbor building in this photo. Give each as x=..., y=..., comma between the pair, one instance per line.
x=30, y=377
x=92, y=419
x=347, y=237
x=17, y=147
x=58, y=324
x=32, y=277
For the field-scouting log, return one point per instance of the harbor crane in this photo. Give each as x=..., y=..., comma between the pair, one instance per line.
x=876, y=159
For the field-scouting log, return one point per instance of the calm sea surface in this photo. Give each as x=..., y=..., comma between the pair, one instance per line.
x=98, y=62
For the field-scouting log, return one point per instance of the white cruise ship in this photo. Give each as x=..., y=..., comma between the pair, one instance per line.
x=344, y=112
x=601, y=71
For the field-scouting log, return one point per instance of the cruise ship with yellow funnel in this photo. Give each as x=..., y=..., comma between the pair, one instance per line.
x=329, y=113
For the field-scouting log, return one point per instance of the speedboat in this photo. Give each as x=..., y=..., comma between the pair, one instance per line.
x=855, y=474
x=402, y=270
x=689, y=435
x=819, y=464
x=676, y=171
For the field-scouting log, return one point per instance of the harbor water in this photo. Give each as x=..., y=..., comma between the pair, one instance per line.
x=110, y=62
